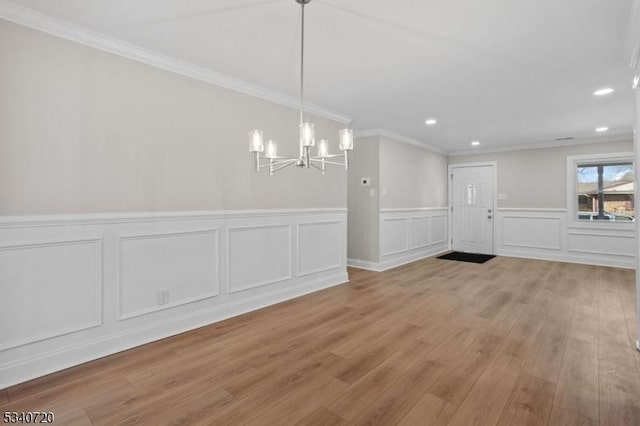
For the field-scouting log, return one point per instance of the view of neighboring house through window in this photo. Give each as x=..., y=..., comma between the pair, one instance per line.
x=606, y=191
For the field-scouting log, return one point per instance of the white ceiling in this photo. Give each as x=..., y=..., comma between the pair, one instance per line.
x=503, y=72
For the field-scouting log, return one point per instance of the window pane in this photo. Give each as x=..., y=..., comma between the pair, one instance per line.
x=606, y=192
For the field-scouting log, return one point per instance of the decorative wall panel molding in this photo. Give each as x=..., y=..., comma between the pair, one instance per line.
x=317, y=247
x=407, y=235
x=394, y=235
x=549, y=234
x=49, y=289
x=258, y=256
x=532, y=231
x=421, y=235
x=181, y=266
x=93, y=285
x=439, y=229
x=599, y=243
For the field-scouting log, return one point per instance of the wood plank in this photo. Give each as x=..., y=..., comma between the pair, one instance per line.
x=322, y=417
x=429, y=410
x=399, y=398
x=619, y=395
x=584, y=325
x=614, y=344
x=358, y=397
x=530, y=402
x=562, y=417
x=295, y=406
x=577, y=389
x=485, y=402
x=545, y=359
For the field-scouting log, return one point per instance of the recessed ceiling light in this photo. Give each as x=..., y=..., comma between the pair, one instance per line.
x=602, y=129
x=431, y=122
x=475, y=143
x=602, y=92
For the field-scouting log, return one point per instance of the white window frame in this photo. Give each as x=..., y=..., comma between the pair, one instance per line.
x=573, y=161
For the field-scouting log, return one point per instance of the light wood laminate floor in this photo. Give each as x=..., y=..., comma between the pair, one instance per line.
x=435, y=342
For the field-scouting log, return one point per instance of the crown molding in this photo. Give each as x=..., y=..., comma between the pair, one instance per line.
x=39, y=21
x=398, y=137
x=624, y=137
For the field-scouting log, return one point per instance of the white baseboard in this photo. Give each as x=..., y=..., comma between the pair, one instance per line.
x=561, y=257
x=396, y=261
x=364, y=264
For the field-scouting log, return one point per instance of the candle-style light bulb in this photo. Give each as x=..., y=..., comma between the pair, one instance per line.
x=307, y=136
x=271, y=149
x=346, y=139
x=323, y=148
x=255, y=141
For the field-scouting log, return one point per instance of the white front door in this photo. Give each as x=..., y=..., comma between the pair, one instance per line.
x=472, y=213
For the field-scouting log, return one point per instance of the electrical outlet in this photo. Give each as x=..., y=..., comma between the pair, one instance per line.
x=163, y=297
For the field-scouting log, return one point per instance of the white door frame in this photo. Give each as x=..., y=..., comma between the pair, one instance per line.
x=494, y=165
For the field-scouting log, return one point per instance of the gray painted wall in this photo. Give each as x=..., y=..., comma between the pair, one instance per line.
x=411, y=177
x=364, y=209
x=537, y=178
x=85, y=131
x=403, y=176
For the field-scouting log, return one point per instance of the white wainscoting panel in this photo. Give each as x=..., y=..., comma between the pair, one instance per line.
x=407, y=235
x=439, y=230
x=184, y=264
x=532, y=232
x=320, y=247
x=549, y=234
x=48, y=290
x=85, y=286
x=258, y=255
x=395, y=235
x=599, y=243
x=420, y=235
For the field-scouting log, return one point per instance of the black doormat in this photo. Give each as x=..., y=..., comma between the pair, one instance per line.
x=467, y=257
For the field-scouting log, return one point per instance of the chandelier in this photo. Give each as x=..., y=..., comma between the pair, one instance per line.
x=307, y=136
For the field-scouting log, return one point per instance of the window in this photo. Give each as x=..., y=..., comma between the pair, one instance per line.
x=602, y=188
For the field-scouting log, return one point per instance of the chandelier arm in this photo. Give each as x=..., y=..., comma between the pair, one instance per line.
x=328, y=156
x=333, y=163
x=279, y=160
x=275, y=166
x=283, y=164
x=316, y=167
